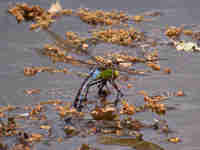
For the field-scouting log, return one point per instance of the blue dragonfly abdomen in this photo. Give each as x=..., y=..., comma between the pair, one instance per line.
x=94, y=73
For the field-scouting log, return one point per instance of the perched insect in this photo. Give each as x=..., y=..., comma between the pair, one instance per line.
x=99, y=76
x=101, y=73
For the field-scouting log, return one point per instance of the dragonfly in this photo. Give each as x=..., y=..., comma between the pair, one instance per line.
x=100, y=75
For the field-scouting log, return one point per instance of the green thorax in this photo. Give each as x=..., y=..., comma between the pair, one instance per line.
x=108, y=74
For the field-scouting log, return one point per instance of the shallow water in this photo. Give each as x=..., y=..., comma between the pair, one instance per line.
x=17, y=51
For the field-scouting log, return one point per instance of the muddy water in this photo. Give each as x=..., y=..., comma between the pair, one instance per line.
x=18, y=46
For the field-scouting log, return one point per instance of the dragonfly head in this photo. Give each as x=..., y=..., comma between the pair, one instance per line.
x=116, y=73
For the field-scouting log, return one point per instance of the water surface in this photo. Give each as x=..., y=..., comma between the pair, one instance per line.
x=17, y=51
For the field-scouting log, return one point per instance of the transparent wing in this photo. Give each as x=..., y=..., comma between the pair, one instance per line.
x=69, y=47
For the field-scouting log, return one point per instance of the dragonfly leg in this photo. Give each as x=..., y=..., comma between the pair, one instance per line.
x=100, y=87
x=119, y=93
x=90, y=84
x=78, y=95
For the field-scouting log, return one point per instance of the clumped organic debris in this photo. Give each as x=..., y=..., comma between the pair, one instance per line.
x=125, y=37
x=127, y=109
x=123, y=57
x=100, y=17
x=42, y=18
x=188, y=32
x=174, y=140
x=105, y=120
x=107, y=113
x=24, y=12
x=39, y=16
x=124, y=61
x=110, y=18
x=32, y=91
x=32, y=71
x=173, y=32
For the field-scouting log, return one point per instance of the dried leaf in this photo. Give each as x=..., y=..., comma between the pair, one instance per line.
x=127, y=109
x=35, y=137
x=46, y=127
x=108, y=113
x=142, y=92
x=173, y=31
x=129, y=86
x=55, y=7
x=179, y=93
x=32, y=91
x=30, y=71
x=155, y=67
x=174, y=140
x=188, y=32
x=67, y=11
x=138, y=18
x=167, y=70
x=60, y=139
